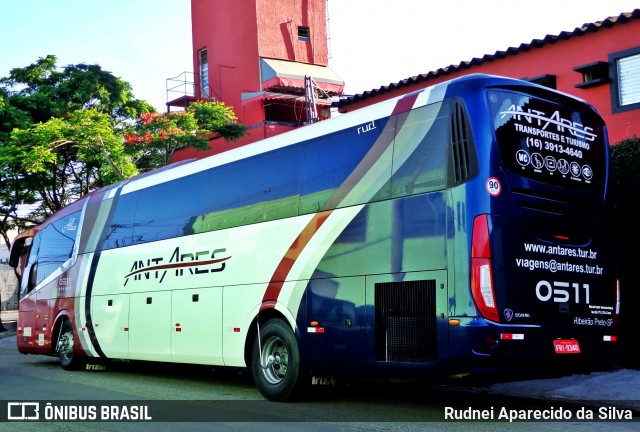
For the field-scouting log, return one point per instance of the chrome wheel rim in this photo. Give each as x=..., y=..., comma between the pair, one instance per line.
x=275, y=360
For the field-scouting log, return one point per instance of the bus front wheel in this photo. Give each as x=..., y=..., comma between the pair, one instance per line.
x=68, y=358
x=276, y=362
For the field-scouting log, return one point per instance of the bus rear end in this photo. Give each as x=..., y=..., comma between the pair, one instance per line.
x=542, y=268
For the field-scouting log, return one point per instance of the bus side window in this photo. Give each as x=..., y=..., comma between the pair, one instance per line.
x=419, y=153
x=52, y=248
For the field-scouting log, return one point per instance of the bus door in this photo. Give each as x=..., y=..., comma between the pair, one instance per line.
x=23, y=259
x=34, y=315
x=407, y=318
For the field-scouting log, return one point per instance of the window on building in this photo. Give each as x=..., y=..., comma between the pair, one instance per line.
x=204, y=73
x=303, y=33
x=593, y=74
x=625, y=86
x=544, y=80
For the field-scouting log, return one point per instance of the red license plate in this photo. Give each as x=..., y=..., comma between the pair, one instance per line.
x=563, y=346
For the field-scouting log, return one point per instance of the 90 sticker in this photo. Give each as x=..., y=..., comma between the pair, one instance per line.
x=493, y=186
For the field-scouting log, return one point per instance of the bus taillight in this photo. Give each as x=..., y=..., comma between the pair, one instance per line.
x=481, y=270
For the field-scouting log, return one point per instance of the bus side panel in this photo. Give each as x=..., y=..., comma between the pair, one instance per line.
x=196, y=321
x=240, y=304
x=43, y=320
x=26, y=321
x=395, y=239
x=150, y=326
x=335, y=329
x=110, y=323
x=399, y=236
x=242, y=260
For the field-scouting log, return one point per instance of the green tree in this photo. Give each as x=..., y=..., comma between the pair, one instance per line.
x=625, y=184
x=156, y=137
x=40, y=91
x=65, y=158
x=59, y=135
x=66, y=132
x=62, y=136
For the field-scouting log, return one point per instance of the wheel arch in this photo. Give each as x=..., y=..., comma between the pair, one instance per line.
x=261, y=318
x=62, y=317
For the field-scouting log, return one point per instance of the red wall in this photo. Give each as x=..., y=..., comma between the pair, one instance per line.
x=236, y=34
x=557, y=59
x=278, y=23
x=227, y=28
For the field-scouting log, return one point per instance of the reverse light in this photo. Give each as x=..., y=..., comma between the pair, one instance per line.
x=486, y=287
x=616, y=316
x=481, y=270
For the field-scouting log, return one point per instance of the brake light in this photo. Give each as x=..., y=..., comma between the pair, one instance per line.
x=481, y=270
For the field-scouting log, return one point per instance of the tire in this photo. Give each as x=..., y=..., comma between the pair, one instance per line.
x=276, y=362
x=69, y=360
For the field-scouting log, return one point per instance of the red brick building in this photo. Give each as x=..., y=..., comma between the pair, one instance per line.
x=598, y=62
x=254, y=55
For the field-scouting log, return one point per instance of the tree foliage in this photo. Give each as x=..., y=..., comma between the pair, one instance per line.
x=156, y=137
x=59, y=136
x=625, y=184
x=64, y=133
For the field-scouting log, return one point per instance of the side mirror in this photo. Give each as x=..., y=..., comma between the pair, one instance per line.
x=33, y=277
x=16, y=252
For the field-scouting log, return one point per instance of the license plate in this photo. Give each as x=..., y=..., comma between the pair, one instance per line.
x=564, y=346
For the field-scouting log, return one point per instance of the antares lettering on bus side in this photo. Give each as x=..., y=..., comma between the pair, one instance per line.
x=542, y=120
x=197, y=263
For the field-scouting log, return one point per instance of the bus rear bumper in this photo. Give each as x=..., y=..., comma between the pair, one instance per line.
x=477, y=345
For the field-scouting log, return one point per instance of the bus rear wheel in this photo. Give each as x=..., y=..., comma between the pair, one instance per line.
x=276, y=362
x=68, y=358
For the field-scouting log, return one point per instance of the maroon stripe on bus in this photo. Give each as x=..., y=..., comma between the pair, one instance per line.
x=294, y=251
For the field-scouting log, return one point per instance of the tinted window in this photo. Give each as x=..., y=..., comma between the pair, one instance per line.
x=349, y=167
x=548, y=142
x=334, y=164
x=420, y=151
x=120, y=232
x=55, y=244
x=167, y=210
x=261, y=188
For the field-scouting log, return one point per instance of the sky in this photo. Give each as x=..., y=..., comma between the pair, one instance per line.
x=372, y=43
